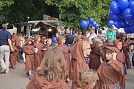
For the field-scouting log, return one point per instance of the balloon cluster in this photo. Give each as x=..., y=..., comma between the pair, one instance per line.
x=86, y=23
x=122, y=15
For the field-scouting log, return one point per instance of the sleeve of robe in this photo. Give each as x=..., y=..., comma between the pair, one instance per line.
x=18, y=42
x=118, y=68
x=26, y=51
x=33, y=84
x=96, y=51
x=98, y=82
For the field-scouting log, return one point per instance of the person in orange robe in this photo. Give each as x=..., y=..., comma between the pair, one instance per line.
x=110, y=71
x=65, y=50
x=38, y=46
x=80, y=52
x=29, y=54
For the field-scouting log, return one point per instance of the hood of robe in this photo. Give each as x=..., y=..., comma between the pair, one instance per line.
x=116, y=42
x=14, y=36
x=77, y=38
x=114, y=49
x=27, y=40
x=77, y=51
x=55, y=84
x=36, y=37
x=84, y=38
x=60, y=38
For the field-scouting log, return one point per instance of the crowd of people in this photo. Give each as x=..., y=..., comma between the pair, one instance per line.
x=94, y=61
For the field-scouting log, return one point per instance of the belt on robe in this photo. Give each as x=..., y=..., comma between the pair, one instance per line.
x=114, y=85
x=86, y=60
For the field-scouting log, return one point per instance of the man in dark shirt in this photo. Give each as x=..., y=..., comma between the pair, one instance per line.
x=69, y=38
x=5, y=46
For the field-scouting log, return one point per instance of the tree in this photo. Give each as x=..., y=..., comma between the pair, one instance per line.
x=73, y=11
x=5, y=2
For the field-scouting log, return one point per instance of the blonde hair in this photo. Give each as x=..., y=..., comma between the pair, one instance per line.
x=53, y=65
x=97, y=41
x=85, y=45
x=87, y=78
x=49, y=39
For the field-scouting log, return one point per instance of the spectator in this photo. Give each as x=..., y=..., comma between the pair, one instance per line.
x=91, y=35
x=101, y=36
x=69, y=38
x=5, y=46
x=111, y=34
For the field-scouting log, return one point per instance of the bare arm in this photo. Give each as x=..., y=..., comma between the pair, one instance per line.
x=10, y=44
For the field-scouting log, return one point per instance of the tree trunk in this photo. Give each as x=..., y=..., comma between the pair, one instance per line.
x=18, y=28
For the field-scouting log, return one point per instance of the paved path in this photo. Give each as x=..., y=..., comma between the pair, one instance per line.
x=17, y=79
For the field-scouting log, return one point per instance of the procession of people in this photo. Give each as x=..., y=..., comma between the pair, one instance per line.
x=92, y=61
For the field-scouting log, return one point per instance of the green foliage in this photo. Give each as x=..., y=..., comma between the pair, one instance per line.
x=5, y=2
x=73, y=11
x=69, y=11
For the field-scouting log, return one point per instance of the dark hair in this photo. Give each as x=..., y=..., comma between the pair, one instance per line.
x=100, y=31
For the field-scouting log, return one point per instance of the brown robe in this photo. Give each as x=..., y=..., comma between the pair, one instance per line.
x=17, y=44
x=95, y=54
x=29, y=54
x=104, y=50
x=64, y=49
x=13, y=55
x=84, y=38
x=78, y=63
x=126, y=52
x=41, y=82
x=121, y=58
x=109, y=75
x=39, y=55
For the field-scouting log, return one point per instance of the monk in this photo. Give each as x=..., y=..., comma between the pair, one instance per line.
x=110, y=71
x=64, y=49
x=107, y=43
x=52, y=72
x=17, y=44
x=29, y=54
x=121, y=58
x=13, y=55
x=38, y=55
x=95, y=54
x=125, y=44
x=80, y=52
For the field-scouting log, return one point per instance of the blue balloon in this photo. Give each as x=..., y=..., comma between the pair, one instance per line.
x=128, y=29
x=114, y=17
x=116, y=25
x=128, y=14
x=88, y=22
x=94, y=24
x=123, y=4
x=132, y=28
x=121, y=24
x=131, y=5
x=73, y=32
x=125, y=30
x=114, y=7
x=97, y=26
x=110, y=23
x=91, y=20
x=115, y=0
x=84, y=24
x=54, y=39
